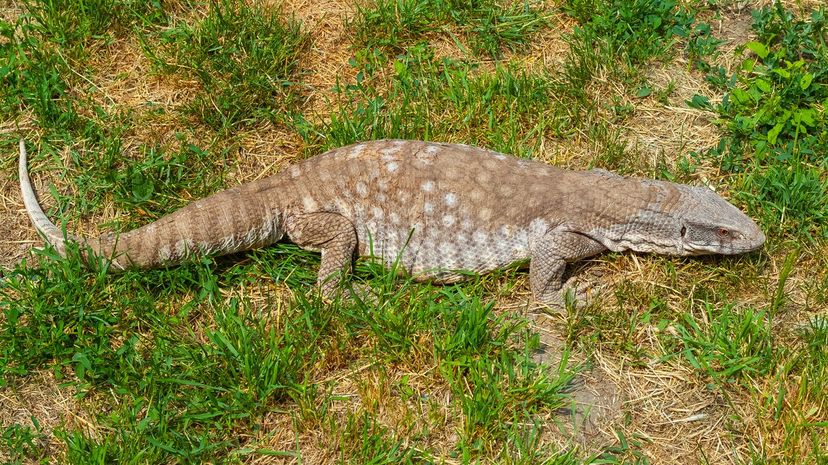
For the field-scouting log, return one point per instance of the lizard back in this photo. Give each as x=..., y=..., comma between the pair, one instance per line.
x=438, y=208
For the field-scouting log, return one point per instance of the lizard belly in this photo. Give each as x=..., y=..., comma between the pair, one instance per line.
x=442, y=255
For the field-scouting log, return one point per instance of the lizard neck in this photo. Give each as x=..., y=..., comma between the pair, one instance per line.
x=652, y=222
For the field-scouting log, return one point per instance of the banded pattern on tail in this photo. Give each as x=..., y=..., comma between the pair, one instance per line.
x=229, y=221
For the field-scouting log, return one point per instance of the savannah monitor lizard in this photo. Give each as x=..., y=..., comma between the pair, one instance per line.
x=438, y=210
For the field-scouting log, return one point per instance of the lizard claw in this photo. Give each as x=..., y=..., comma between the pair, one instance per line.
x=361, y=292
x=582, y=293
x=574, y=294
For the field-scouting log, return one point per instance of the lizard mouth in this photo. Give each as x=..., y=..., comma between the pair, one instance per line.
x=722, y=249
x=694, y=250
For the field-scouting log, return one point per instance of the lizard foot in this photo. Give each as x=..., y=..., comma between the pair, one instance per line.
x=351, y=292
x=360, y=292
x=575, y=293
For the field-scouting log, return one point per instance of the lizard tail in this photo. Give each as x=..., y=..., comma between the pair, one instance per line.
x=41, y=222
x=229, y=221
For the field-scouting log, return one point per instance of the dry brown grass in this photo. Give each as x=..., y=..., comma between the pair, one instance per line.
x=664, y=131
x=40, y=396
x=326, y=61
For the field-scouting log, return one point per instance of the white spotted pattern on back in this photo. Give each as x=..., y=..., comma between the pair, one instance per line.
x=439, y=208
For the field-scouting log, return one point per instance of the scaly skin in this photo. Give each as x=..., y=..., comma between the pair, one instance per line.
x=442, y=210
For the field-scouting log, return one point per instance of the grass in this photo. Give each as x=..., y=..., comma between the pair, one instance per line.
x=507, y=109
x=619, y=36
x=236, y=364
x=488, y=27
x=734, y=345
x=775, y=120
x=245, y=57
x=238, y=360
x=22, y=443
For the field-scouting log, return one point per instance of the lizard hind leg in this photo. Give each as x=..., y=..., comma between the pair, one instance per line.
x=334, y=236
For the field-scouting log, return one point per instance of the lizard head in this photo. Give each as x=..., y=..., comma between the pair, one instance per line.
x=709, y=224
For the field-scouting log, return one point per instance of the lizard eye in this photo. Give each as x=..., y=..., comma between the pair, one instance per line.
x=722, y=232
x=683, y=231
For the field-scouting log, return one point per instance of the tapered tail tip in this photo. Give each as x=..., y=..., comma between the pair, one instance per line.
x=43, y=225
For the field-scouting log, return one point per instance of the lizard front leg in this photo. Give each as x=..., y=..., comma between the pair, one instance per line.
x=549, y=256
x=334, y=236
